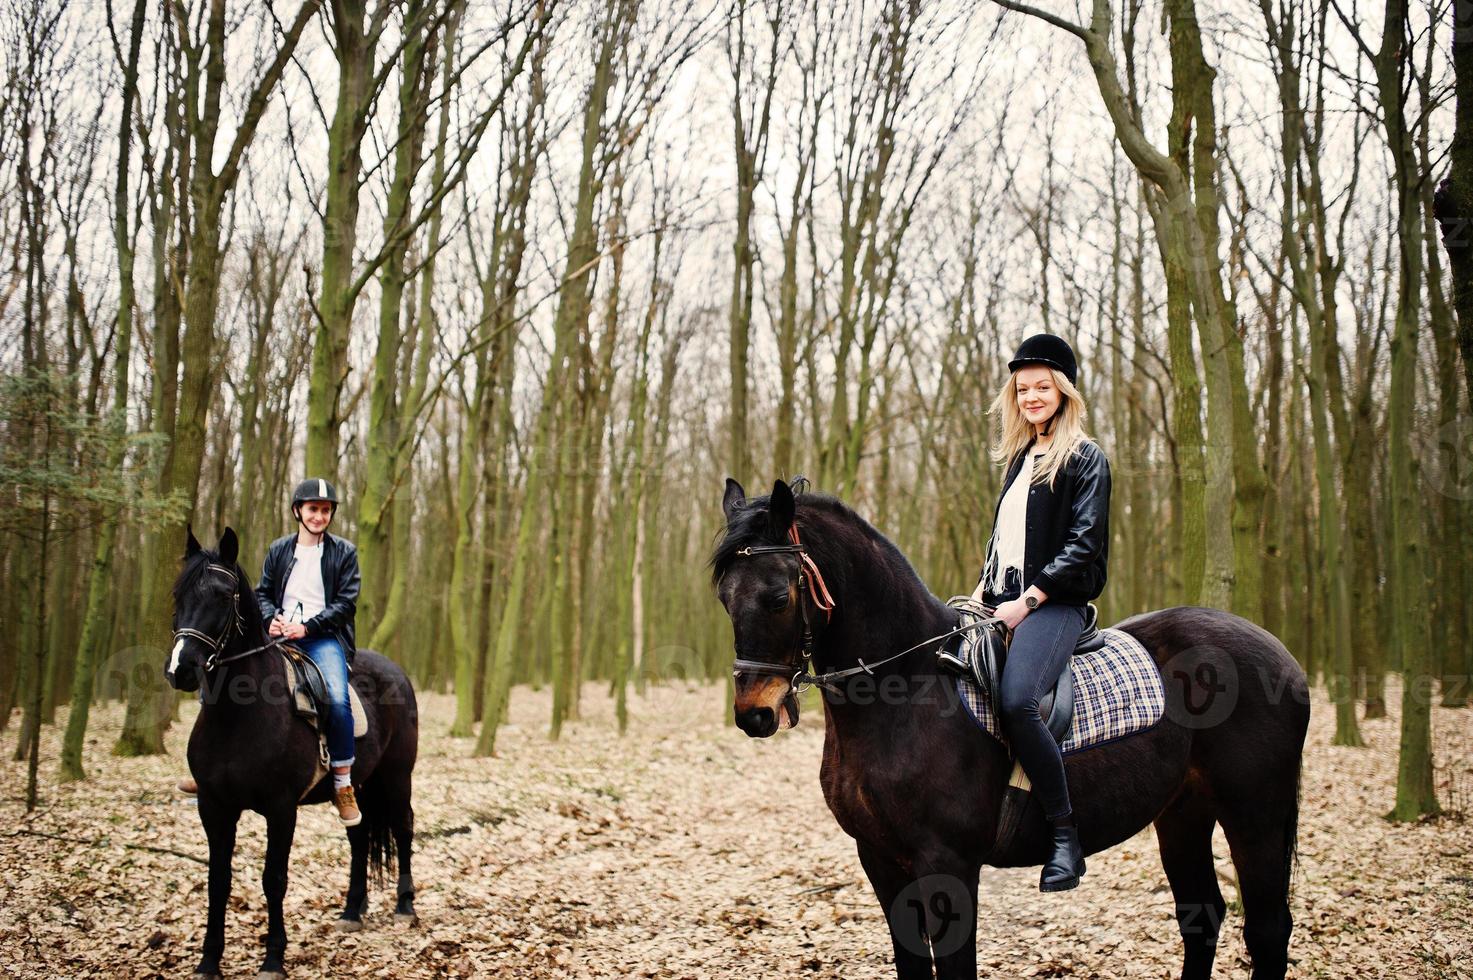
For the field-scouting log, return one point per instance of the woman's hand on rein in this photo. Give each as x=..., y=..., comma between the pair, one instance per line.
x=1011, y=612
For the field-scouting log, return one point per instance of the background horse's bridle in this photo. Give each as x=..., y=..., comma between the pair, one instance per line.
x=236, y=623
x=801, y=676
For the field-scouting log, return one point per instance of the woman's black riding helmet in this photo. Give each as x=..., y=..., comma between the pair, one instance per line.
x=1045, y=348
x=313, y=489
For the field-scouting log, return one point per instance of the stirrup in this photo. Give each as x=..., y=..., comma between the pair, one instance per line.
x=949, y=658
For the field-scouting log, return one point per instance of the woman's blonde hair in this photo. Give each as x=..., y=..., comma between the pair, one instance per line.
x=1068, y=426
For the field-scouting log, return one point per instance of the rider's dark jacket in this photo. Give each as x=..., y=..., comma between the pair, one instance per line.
x=1068, y=534
x=339, y=586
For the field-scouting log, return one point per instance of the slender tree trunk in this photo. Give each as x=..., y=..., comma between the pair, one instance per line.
x=1455, y=195
x=387, y=406
x=571, y=314
x=749, y=132
x=354, y=43
x=31, y=735
x=1415, y=794
x=95, y=626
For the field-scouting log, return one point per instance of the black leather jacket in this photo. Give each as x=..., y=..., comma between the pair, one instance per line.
x=339, y=584
x=1068, y=534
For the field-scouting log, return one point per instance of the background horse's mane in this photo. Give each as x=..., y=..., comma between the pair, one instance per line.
x=832, y=532
x=192, y=575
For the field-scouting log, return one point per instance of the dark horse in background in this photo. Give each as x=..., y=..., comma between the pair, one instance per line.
x=250, y=751
x=917, y=785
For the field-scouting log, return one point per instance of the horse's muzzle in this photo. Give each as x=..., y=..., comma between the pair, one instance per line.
x=765, y=722
x=186, y=679
x=183, y=675
x=757, y=722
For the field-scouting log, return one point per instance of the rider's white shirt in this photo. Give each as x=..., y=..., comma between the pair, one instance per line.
x=304, y=586
x=1010, y=534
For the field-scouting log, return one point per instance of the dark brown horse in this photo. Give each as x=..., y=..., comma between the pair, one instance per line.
x=250, y=751
x=916, y=784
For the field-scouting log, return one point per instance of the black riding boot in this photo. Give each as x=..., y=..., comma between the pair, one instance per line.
x=1066, y=863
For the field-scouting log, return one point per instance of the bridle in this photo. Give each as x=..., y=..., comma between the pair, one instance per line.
x=235, y=624
x=807, y=570
x=800, y=677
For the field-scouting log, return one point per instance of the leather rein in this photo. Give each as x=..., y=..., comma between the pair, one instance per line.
x=235, y=624
x=810, y=580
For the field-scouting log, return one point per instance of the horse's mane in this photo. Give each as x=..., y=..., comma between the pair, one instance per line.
x=833, y=533
x=197, y=566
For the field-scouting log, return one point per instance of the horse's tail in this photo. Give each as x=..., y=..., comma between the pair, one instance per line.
x=380, y=838
x=1291, y=830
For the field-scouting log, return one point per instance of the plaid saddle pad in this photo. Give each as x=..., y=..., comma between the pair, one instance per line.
x=1117, y=692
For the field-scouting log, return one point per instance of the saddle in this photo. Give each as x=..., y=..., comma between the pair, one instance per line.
x=309, y=700
x=986, y=649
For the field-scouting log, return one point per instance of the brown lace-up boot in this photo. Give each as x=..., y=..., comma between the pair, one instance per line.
x=347, y=805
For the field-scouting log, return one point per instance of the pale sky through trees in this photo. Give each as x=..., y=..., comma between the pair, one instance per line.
x=1031, y=135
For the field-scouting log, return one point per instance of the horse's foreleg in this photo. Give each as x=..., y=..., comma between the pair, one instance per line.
x=932, y=916
x=351, y=920
x=281, y=827
x=948, y=887
x=219, y=822
x=907, y=926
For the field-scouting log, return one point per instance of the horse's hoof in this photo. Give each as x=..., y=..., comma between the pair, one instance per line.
x=348, y=925
x=204, y=976
x=271, y=975
x=407, y=918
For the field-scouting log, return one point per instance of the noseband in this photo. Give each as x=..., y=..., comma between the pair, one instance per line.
x=234, y=624
x=801, y=676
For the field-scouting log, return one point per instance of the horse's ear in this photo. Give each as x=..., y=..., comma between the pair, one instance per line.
x=734, y=499
x=229, y=547
x=780, y=508
x=191, y=545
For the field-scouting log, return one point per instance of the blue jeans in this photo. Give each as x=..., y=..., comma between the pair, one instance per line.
x=327, y=654
x=1039, y=653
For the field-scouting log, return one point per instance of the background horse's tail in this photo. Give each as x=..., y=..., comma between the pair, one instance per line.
x=380, y=837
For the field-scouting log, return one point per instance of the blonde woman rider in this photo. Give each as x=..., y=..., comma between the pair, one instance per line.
x=1045, y=562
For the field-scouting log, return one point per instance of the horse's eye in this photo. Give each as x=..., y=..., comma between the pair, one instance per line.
x=776, y=600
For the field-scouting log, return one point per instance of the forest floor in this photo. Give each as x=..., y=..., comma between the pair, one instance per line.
x=684, y=849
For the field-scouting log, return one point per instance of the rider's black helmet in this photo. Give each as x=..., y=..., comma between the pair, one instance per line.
x=314, y=489
x=1045, y=348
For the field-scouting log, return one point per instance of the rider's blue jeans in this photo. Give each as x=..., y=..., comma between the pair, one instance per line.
x=1038, y=654
x=329, y=657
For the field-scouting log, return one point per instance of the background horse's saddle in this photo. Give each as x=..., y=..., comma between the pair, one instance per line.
x=986, y=649
x=309, y=692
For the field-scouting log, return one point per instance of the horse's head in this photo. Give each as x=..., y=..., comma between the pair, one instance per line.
x=207, y=609
x=761, y=580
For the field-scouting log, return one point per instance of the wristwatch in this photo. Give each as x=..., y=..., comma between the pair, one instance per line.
x=1031, y=601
